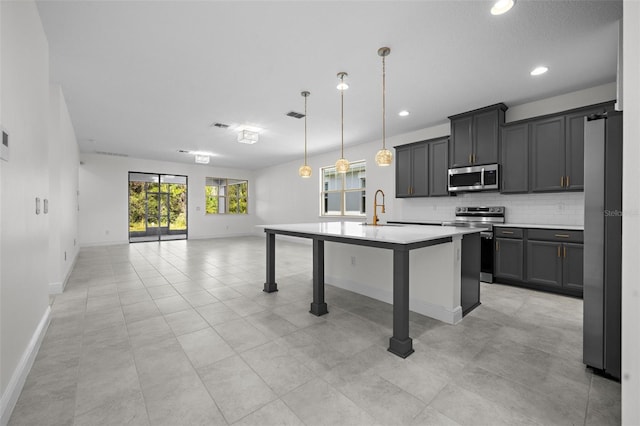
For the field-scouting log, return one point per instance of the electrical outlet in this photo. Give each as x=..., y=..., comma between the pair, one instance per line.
x=353, y=261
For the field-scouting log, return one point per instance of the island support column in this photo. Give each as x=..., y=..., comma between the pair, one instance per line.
x=270, y=284
x=318, y=306
x=400, y=343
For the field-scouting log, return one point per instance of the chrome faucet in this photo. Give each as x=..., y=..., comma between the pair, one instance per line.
x=376, y=205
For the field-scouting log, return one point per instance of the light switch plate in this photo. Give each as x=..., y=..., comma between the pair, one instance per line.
x=4, y=146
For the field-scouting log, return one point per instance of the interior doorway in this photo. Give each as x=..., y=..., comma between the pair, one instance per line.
x=157, y=207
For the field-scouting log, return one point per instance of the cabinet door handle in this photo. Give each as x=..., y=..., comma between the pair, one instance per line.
x=558, y=251
x=497, y=245
x=561, y=181
x=470, y=159
x=562, y=235
x=567, y=182
x=564, y=251
x=507, y=232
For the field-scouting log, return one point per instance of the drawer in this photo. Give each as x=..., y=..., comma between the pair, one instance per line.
x=555, y=235
x=507, y=232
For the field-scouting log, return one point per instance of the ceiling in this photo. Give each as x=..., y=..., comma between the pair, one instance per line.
x=147, y=78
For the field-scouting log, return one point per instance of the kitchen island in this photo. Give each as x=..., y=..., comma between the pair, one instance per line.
x=461, y=244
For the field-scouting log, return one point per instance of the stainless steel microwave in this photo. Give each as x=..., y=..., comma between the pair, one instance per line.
x=475, y=178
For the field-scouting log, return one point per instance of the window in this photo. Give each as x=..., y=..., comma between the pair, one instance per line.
x=344, y=194
x=226, y=196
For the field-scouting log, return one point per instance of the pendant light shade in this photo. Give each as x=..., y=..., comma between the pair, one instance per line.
x=384, y=157
x=342, y=165
x=305, y=170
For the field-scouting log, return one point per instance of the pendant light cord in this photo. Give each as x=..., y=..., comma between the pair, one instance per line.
x=384, y=129
x=305, y=130
x=342, y=120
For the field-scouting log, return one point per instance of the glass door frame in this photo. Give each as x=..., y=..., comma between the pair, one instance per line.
x=160, y=195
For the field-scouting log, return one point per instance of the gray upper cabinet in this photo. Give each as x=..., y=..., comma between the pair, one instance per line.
x=514, y=159
x=421, y=168
x=547, y=154
x=403, y=171
x=460, y=151
x=475, y=136
x=575, y=147
x=438, y=167
x=412, y=175
x=557, y=150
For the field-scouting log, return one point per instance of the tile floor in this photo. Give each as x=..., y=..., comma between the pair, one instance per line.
x=180, y=333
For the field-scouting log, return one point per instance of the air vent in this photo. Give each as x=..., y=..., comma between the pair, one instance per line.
x=113, y=154
x=220, y=125
x=294, y=114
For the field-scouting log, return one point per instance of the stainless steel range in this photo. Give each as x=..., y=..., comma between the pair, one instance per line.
x=481, y=217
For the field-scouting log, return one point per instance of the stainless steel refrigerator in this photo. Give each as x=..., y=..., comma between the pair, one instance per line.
x=603, y=242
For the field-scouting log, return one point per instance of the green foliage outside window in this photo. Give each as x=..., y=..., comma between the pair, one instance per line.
x=226, y=196
x=147, y=199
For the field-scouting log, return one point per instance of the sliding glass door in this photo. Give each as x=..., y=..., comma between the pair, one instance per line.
x=157, y=207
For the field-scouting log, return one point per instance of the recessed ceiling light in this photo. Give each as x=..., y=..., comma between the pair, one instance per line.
x=539, y=70
x=403, y=113
x=502, y=6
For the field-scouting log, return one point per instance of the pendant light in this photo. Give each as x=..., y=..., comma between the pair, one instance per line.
x=384, y=157
x=342, y=165
x=305, y=170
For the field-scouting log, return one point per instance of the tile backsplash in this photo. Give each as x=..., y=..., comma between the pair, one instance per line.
x=557, y=208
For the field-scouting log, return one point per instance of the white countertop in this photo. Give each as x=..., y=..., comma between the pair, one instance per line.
x=525, y=225
x=396, y=234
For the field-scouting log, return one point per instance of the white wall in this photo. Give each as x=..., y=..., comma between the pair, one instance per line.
x=631, y=218
x=103, y=216
x=566, y=101
x=25, y=109
x=63, y=187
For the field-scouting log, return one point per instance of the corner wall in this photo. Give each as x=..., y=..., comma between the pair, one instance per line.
x=24, y=308
x=63, y=189
x=631, y=216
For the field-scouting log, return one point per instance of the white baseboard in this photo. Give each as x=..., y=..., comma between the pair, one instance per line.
x=58, y=287
x=19, y=376
x=419, y=306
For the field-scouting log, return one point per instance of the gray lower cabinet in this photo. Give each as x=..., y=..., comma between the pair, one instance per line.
x=421, y=168
x=509, y=253
x=544, y=263
x=543, y=259
x=573, y=258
